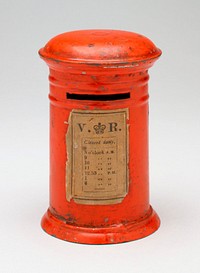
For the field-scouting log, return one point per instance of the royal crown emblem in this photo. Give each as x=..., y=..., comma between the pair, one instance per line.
x=99, y=128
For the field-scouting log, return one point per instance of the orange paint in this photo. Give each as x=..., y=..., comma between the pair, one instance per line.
x=100, y=70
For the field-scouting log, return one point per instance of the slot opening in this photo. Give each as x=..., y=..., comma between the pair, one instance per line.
x=94, y=97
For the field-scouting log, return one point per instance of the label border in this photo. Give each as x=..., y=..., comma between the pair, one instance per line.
x=70, y=160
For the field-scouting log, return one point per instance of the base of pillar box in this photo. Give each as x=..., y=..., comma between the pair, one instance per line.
x=104, y=235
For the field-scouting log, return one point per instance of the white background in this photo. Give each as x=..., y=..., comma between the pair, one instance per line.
x=173, y=26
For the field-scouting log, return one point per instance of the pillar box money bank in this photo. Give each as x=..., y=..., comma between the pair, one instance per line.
x=99, y=181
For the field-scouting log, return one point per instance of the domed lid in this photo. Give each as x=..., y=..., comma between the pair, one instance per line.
x=100, y=46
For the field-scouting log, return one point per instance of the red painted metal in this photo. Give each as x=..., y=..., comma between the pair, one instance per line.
x=100, y=62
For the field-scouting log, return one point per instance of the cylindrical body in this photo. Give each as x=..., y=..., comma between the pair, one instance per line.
x=99, y=181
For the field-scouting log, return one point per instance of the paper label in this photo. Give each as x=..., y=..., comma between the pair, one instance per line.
x=97, y=151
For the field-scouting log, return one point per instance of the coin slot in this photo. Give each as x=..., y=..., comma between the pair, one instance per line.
x=94, y=97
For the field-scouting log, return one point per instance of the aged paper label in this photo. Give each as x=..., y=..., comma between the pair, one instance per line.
x=97, y=156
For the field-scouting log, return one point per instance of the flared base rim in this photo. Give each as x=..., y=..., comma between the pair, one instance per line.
x=107, y=235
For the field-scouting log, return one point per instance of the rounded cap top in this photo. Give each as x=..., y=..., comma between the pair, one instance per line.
x=100, y=47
